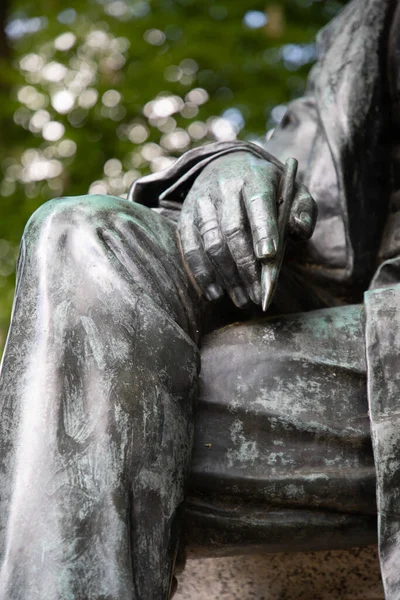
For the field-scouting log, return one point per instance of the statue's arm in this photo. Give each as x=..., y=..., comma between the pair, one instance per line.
x=228, y=225
x=172, y=185
x=228, y=222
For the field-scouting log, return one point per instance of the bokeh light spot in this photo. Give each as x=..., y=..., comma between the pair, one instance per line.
x=65, y=41
x=67, y=16
x=197, y=96
x=151, y=151
x=138, y=134
x=117, y=9
x=88, y=98
x=154, y=37
x=53, y=131
x=38, y=120
x=222, y=129
x=63, y=101
x=112, y=167
x=176, y=140
x=98, y=187
x=197, y=130
x=111, y=98
x=54, y=71
x=278, y=112
x=255, y=19
x=140, y=9
x=31, y=62
x=66, y=148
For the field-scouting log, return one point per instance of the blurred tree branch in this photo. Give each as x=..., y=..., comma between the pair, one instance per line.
x=4, y=47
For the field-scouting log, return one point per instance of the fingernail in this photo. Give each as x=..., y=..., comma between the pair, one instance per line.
x=305, y=220
x=214, y=291
x=266, y=248
x=240, y=297
x=251, y=295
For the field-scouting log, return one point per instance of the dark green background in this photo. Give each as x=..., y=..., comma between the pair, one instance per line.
x=141, y=50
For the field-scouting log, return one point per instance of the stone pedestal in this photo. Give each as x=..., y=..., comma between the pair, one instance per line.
x=331, y=575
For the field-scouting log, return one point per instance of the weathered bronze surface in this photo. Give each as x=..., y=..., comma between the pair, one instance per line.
x=288, y=438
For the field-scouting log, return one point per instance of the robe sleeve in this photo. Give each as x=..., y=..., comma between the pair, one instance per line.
x=167, y=189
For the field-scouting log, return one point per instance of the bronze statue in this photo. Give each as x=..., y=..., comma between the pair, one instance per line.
x=117, y=306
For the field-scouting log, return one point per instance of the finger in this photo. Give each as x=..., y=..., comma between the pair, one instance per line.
x=197, y=264
x=259, y=195
x=303, y=215
x=218, y=251
x=240, y=246
x=208, y=226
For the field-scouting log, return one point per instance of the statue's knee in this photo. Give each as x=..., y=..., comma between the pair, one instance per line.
x=68, y=219
x=62, y=212
x=91, y=211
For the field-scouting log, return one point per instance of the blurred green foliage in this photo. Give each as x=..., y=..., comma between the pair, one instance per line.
x=95, y=93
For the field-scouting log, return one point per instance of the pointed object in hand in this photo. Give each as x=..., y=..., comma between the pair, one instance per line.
x=270, y=270
x=269, y=277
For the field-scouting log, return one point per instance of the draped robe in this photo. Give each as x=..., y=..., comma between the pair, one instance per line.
x=353, y=174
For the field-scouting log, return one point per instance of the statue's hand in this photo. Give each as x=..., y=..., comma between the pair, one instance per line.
x=228, y=225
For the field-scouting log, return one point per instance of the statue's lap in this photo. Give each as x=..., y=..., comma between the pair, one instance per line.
x=283, y=454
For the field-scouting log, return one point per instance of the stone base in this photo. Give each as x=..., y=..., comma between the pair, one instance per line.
x=330, y=575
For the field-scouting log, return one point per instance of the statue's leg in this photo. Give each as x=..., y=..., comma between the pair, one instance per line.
x=283, y=458
x=97, y=393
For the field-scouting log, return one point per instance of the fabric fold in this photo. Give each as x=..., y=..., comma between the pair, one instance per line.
x=382, y=307
x=172, y=184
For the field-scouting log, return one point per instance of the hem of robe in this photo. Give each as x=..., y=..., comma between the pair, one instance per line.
x=382, y=313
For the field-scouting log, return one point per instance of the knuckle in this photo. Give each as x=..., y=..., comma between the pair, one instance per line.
x=241, y=244
x=260, y=229
x=207, y=226
x=213, y=248
x=199, y=275
x=212, y=241
x=189, y=246
x=233, y=231
x=191, y=253
x=195, y=265
x=216, y=249
x=305, y=199
x=199, y=272
x=256, y=200
x=246, y=261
